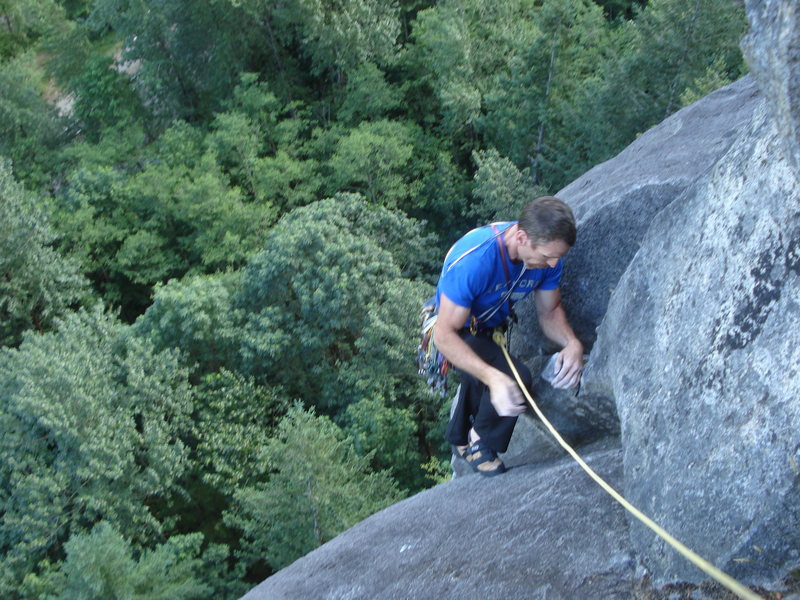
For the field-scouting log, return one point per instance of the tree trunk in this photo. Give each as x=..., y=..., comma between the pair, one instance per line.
x=540, y=137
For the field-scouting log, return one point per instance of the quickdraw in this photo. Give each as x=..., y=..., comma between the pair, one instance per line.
x=431, y=363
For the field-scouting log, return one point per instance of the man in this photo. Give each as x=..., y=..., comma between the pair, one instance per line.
x=484, y=274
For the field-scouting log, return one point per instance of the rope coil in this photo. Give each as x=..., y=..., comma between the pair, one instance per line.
x=723, y=578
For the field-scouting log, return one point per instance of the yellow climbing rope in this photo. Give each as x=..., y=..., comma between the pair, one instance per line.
x=697, y=560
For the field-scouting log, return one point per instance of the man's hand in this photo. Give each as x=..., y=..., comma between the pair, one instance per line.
x=505, y=395
x=568, y=366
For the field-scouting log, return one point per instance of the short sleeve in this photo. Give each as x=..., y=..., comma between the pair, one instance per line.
x=465, y=281
x=552, y=279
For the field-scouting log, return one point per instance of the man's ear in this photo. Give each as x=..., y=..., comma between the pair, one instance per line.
x=522, y=237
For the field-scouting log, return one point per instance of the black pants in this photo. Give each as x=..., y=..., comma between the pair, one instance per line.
x=473, y=407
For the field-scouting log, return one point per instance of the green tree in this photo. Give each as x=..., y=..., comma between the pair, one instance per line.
x=444, y=198
x=25, y=22
x=194, y=315
x=235, y=419
x=668, y=49
x=375, y=160
x=101, y=564
x=37, y=284
x=104, y=98
x=93, y=427
x=459, y=50
x=620, y=9
x=258, y=143
x=301, y=325
x=501, y=188
x=189, y=53
x=29, y=126
x=526, y=108
x=174, y=216
x=368, y=96
x=318, y=486
x=340, y=36
x=389, y=435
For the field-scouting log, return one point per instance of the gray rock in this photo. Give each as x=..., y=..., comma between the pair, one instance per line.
x=542, y=532
x=580, y=418
x=616, y=201
x=772, y=50
x=615, y=204
x=700, y=347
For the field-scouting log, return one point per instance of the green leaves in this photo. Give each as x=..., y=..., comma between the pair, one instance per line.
x=93, y=428
x=36, y=282
x=342, y=35
x=104, y=98
x=318, y=488
x=502, y=188
x=374, y=159
x=29, y=127
x=667, y=50
x=308, y=298
x=101, y=565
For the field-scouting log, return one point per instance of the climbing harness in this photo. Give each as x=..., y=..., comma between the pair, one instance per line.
x=697, y=560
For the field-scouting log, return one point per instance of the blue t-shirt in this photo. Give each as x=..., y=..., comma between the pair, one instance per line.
x=473, y=276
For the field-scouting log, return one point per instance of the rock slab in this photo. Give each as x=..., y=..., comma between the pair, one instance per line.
x=545, y=532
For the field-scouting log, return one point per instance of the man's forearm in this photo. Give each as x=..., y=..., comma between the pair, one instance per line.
x=461, y=356
x=555, y=326
x=504, y=394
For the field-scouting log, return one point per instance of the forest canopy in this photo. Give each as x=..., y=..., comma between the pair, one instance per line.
x=219, y=220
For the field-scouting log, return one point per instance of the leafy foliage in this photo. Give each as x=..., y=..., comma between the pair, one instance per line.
x=668, y=49
x=387, y=434
x=318, y=487
x=36, y=283
x=236, y=420
x=194, y=315
x=188, y=53
x=28, y=124
x=93, y=430
x=303, y=324
x=374, y=160
x=340, y=36
x=529, y=109
x=100, y=565
x=502, y=188
x=104, y=98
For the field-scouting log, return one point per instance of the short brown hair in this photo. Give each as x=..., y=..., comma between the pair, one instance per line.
x=547, y=219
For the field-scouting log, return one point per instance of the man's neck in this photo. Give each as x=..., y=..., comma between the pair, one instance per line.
x=510, y=239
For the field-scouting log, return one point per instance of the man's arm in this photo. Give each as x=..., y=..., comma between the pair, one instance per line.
x=554, y=324
x=503, y=391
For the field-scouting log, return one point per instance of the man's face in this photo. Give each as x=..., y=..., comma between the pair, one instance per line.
x=541, y=256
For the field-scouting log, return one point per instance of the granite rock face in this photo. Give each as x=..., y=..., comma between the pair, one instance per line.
x=559, y=537
x=615, y=203
x=772, y=49
x=700, y=348
x=700, y=345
